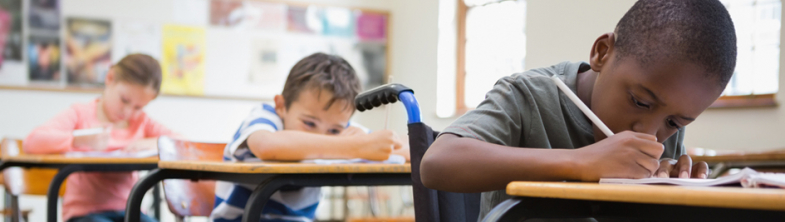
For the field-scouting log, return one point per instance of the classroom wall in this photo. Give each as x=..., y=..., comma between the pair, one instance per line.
x=561, y=30
x=412, y=57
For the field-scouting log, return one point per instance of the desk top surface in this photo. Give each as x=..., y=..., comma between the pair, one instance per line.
x=61, y=159
x=726, y=197
x=284, y=167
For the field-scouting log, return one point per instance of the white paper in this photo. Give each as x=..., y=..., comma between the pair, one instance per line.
x=394, y=159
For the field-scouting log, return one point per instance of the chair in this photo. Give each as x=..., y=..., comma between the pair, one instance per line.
x=187, y=198
x=20, y=181
x=429, y=205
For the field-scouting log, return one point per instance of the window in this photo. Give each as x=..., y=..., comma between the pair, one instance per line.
x=756, y=77
x=494, y=38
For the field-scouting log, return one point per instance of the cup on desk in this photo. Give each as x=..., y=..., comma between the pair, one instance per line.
x=96, y=138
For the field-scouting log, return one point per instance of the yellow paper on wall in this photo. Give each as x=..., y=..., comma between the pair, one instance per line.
x=183, y=60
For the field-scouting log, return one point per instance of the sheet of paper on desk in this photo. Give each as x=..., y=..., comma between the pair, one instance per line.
x=394, y=159
x=745, y=178
x=114, y=154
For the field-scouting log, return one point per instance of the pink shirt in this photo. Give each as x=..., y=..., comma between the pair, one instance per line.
x=88, y=193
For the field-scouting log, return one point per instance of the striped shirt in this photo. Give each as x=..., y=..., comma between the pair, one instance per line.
x=298, y=204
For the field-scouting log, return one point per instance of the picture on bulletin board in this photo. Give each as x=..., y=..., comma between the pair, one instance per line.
x=338, y=22
x=10, y=30
x=226, y=13
x=267, y=16
x=304, y=19
x=264, y=62
x=44, y=58
x=372, y=26
x=88, y=47
x=183, y=60
x=44, y=14
x=136, y=37
x=247, y=15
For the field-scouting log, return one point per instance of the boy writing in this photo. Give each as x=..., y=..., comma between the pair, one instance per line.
x=310, y=120
x=665, y=63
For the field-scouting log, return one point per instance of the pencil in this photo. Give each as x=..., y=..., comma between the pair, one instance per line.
x=585, y=109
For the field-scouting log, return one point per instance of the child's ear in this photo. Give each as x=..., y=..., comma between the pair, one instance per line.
x=110, y=78
x=280, y=105
x=601, y=51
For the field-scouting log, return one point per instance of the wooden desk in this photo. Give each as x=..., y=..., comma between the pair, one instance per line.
x=270, y=177
x=67, y=165
x=761, y=160
x=648, y=202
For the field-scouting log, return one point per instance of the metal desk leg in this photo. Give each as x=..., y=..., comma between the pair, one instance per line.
x=54, y=190
x=157, y=201
x=259, y=197
x=133, y=207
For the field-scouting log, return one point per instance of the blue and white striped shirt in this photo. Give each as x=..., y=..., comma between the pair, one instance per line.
x=230, y=198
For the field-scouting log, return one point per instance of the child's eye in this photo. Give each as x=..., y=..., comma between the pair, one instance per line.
x=334, y=132
x=638, y=103
x=309, y=123
x=673, y=124
x=124, y=100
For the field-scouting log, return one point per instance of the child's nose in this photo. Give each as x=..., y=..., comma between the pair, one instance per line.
x=647, y=128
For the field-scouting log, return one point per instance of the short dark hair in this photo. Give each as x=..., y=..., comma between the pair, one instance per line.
x=139, y=69
x=323, y=72
x=698, y=31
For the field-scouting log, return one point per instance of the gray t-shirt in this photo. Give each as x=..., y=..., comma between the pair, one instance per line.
x=528, y=110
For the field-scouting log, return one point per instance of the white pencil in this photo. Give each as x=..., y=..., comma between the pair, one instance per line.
x=596, y=120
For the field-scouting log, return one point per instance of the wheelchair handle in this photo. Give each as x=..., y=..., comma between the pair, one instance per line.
x=390, y=93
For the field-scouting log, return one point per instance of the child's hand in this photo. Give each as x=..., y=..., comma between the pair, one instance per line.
x=378, y=145
x=352, y=131
x=624, y=155
x=683, y=168
x=404, y=150
x=142, y=144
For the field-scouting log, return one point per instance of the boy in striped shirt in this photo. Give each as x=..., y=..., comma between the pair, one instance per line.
x=310, y=120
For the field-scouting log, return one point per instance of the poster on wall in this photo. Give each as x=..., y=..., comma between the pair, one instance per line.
x=372, y=26
x=183, y=60
x=264, y=62
x=88, y=46
x=44, y=14
x=226, y=12
x=43, y=60
x=10, y=30
x=136, y=37
x=304, y=19
x=338, y=22
x=267, y=16
x=43, y=43
x=247, y=15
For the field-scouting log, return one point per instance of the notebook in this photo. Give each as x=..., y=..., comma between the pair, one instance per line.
x=745, y=178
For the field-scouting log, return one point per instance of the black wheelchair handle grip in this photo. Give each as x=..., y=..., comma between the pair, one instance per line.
x=380, y=95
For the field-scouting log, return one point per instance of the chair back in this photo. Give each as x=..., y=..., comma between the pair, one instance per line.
x=185, y=197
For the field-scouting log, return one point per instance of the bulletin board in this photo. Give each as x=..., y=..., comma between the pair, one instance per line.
x=206, y=48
